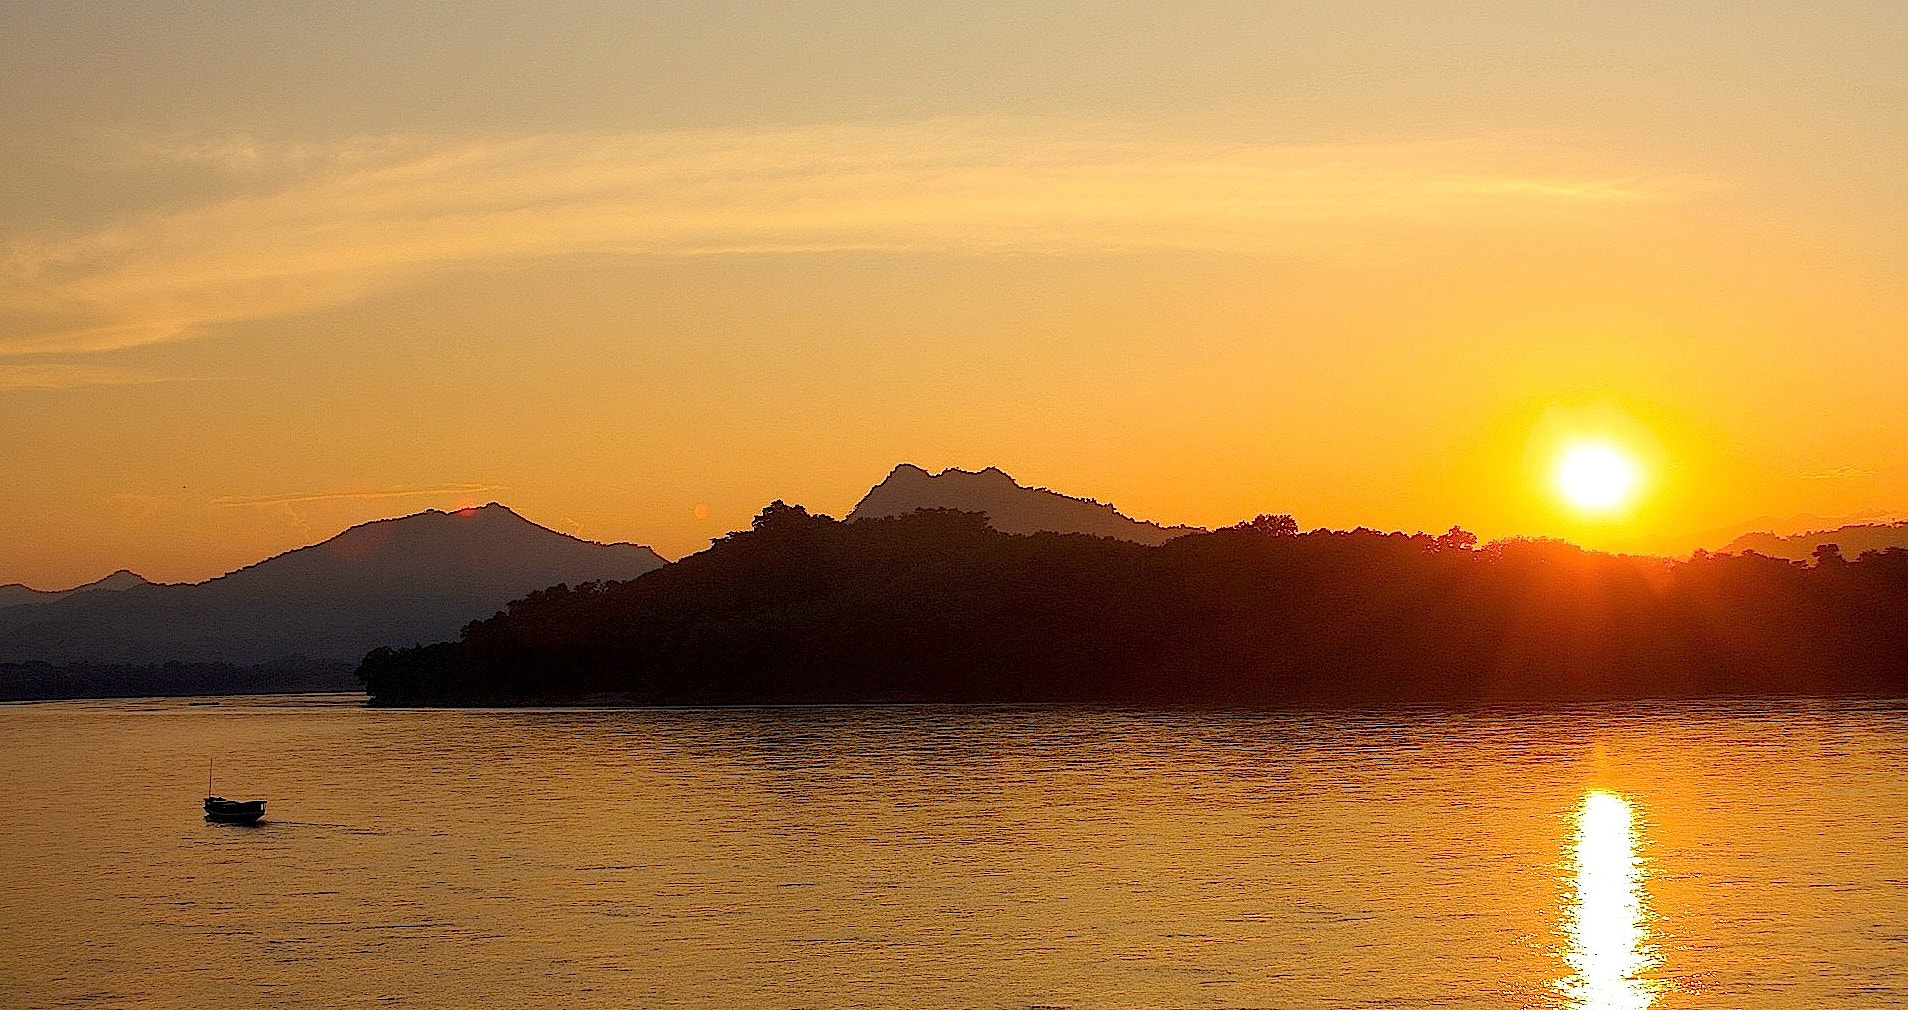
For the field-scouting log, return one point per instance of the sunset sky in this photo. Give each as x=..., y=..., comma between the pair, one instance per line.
x=636, y=269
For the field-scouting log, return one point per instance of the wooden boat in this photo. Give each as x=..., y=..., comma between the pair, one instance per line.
x=224, y=811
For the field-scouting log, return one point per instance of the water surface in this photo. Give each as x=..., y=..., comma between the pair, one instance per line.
x=1616, y=858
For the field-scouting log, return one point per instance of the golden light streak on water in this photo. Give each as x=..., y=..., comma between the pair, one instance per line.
x=1608, y=926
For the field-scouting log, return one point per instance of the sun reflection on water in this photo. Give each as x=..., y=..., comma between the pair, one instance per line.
x=1608, y=926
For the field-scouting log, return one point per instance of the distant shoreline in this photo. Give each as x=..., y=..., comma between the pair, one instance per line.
x=362, y=700
x=24, y=682
x=1452, y=706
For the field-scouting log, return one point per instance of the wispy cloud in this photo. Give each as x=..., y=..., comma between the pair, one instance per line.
x=69, y=375
x=1844, y=472
x=234, y=501
x=311, y=225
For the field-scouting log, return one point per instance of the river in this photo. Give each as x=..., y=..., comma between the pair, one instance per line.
x=1738, y=855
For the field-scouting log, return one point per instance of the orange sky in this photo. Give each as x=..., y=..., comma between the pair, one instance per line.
x=266, y=274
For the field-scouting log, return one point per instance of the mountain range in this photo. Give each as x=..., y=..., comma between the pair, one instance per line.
x=418, y=578
x=396, y=582
x=423, y=577
x=1852, y=540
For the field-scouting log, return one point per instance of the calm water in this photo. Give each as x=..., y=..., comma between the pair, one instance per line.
x=1716, y=856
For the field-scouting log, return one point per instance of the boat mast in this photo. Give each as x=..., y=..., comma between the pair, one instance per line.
x=208, y=776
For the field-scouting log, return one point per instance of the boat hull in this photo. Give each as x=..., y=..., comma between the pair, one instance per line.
x=224, y=811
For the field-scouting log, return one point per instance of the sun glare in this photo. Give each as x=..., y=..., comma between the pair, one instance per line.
x=1598, y=477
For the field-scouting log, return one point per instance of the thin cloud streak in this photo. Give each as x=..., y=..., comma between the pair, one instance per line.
x=236, y=501
x=64, y=375
x=309, y=227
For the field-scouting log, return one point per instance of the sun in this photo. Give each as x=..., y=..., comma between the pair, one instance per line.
x=1598, y=477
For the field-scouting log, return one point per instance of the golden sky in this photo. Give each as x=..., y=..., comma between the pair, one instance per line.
x=637, y=269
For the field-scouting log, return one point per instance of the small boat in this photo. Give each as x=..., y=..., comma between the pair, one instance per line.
x=220, y=810
x=223, y=811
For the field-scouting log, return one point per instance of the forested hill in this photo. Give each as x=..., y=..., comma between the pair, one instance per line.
x=936, y=606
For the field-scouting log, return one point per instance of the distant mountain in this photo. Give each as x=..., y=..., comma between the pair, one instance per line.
x=1009, y=507
x=419, y=578
x=1717, y=539
x=1853, y=540
x=15, y=594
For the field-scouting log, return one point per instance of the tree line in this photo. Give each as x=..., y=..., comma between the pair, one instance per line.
x=939, y=607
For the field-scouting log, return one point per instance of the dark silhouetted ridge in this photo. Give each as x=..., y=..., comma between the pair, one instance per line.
x=938, y=606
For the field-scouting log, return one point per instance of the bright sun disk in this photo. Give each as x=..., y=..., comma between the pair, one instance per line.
x=1597, y=477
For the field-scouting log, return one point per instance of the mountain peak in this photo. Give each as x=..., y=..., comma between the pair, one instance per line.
x=430, y=540
x=1009, y=506
x=488, y=509
x=16, y=593
x=121, y=579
